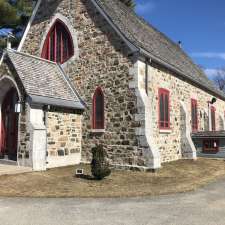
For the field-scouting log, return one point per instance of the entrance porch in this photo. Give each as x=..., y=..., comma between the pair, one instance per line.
x=40, y=114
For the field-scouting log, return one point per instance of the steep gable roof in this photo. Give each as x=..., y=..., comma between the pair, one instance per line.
x=143, y=37
x=148, y=39
x=44, y=81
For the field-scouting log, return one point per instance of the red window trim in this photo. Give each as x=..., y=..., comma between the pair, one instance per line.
x=211, y=143
x=46, y=51
x=101, y=124
x=213, y=119
x=194, y=121
x=166, y=123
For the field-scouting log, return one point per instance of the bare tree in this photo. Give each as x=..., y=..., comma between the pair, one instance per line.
x=219, y=79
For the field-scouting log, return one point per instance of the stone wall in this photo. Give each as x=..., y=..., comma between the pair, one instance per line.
x=131, y=116
x=63, y=138
x=102, y=61
x=24, y=138
x=169, y=143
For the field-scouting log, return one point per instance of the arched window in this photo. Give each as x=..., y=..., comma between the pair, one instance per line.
x=58, y=46
x=98, y=109
x=194, y=114
x=164, y=109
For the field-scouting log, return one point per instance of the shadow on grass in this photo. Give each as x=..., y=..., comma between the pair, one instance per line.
x=85, y=177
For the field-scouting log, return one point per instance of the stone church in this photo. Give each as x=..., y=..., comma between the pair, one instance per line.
x=91, y=72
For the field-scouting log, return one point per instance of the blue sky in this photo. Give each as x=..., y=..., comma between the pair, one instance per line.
x=199, y=24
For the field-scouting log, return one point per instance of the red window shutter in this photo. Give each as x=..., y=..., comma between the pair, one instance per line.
x=194, y=115
x=164, y=109
x=213, y=117
x=58, y=46
x=98, y=110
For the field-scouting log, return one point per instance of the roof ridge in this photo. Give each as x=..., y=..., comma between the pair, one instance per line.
x=165, y=36
x=148, y=24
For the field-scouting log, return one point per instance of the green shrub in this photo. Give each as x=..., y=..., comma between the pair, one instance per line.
x=99, y=165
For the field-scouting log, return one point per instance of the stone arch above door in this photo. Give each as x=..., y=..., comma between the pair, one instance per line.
x=6, y=83
x=9, y=129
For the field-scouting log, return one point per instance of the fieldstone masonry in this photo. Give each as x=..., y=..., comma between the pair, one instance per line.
x=63, y=138
x=103, y=61
x=24, y=138
x=170, y=143
x=131, y=136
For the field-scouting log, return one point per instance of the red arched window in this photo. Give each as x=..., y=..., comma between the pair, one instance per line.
x=194, y=114
x=98, y=109
x=58, y=46
x=164, y=109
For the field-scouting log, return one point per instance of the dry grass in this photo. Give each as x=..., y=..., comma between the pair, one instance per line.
x=179, y=176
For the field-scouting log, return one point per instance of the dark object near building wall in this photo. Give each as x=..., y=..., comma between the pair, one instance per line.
x=99, y=166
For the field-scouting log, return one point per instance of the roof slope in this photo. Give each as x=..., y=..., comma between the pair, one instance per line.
x=145, y=36
x=44, y=81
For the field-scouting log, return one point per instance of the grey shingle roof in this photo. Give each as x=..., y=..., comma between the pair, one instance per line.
x=44, y=81
x=146, y=37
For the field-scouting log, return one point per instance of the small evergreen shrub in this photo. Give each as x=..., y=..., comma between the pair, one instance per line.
x=99, y=165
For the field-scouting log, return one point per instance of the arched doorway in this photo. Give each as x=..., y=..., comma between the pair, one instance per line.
x=9, y=125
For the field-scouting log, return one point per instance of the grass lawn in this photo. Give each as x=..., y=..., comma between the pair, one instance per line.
x=179, y=176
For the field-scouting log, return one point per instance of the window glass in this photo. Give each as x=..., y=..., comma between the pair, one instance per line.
x=164, y=114
x=98, y=109
x=194, y=114
x=58, y=46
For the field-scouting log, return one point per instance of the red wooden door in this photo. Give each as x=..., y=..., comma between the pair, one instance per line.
x=9, y=126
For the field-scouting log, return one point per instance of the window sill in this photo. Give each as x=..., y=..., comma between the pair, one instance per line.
x=98, y=131
x=166, y=131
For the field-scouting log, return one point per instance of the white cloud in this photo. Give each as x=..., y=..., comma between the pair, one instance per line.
x=213, y=72
x=218, y=55
x=142, y=8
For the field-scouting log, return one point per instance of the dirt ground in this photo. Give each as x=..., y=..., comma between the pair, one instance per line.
x=174, y=177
